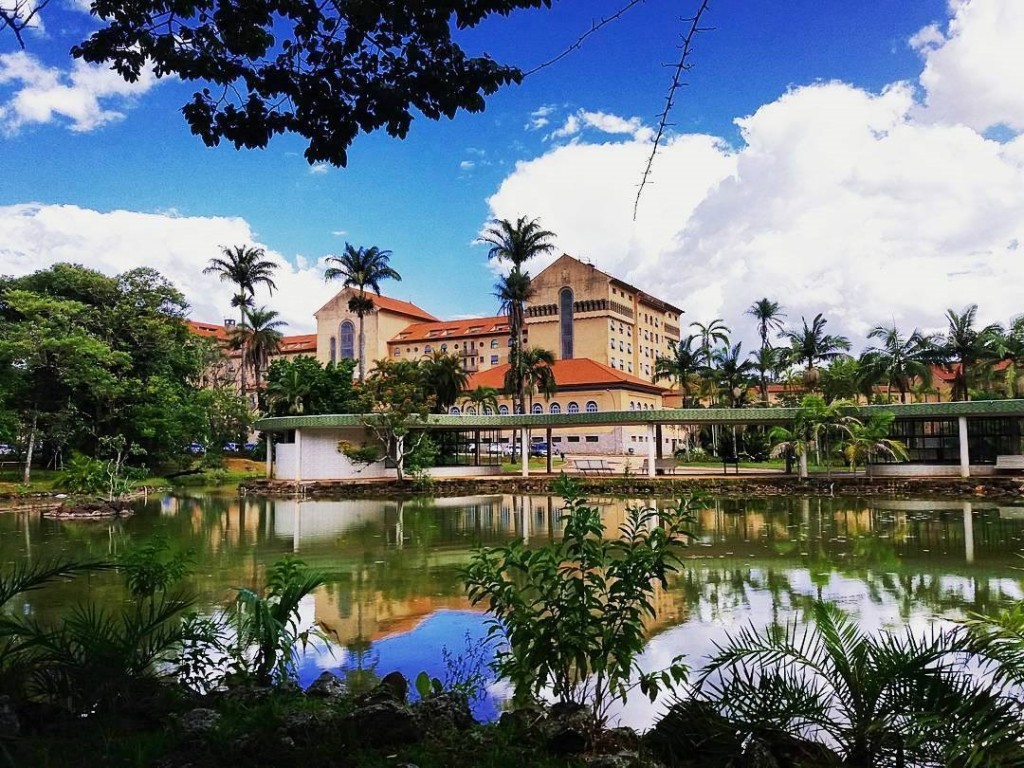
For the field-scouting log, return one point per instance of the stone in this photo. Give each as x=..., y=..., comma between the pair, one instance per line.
x=198, y=722
x=384, y=724
x=396, y=683
x=444, y=712
x=568, y=727
x=327, y=686
x=694, y=727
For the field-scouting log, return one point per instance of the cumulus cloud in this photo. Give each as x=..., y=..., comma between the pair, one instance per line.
x=974, y=69
x=34, y=236
x=858, y=204
x=85, y=97
x=603, y=122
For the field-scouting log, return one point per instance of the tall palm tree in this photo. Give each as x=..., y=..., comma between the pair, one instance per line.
x=292, y=390
x=539, y=373
x=361, y=268
x=516, y=243
x=899, y=359
x=259, y=338
x=445, y=378
x=811, y=345
x=246, y=268
x=711, y=335
x=684, y=365
x=766, y=360
x=966, y=348
x=769, y=317
x=482, y=398
x=732, y=372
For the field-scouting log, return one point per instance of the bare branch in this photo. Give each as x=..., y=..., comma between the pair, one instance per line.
x=579, y=42
x=18, y=17
x=677, y=82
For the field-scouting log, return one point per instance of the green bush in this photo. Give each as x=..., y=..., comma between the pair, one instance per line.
x=83, y=474
x=572, y=614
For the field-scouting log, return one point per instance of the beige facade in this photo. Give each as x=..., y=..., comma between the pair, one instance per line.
x=481, y=342
x=578, y=311
x=337, y=327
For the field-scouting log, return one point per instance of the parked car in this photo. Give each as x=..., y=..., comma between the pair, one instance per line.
x=499, y=449
x=6, y=450
x=231, y=447
x=539, y=450
x=196, y=448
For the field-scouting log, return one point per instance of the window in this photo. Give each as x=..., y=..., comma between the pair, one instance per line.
x=612, y=343
x=565, y=324
x=573, y=407
x=503, y=410
x=612, y=324
x=632, y=405
x=591, y=407
x=494, y=359
x=398, y=352
x=427, y=349
x=621, y=328
x=621, y=346
x=647, y=336
x=494, y=343
x=611, y=362
x=629, y=332
x=622, y=365
x=591, y=438
x=629, y=348
x=573, y=438
x=454, y=411
x=334, y=352
x=488, y=411
x=630, y=367
x=444, y=348
x=537, y=408
x=346, y=334
x=455, y=346
x=471, y=410
x=510, y=342
x=555, y=408
x=556, y=439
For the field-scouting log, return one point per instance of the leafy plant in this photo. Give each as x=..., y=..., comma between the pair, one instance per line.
x=573, y=613
x=266, y=625
x=84, y=474
x=362, y=454
x=152, y=568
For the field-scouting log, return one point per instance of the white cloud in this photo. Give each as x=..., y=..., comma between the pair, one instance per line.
x=32, y=93
x=840, y=201
x=467, y=165
x=339, y=232
x=540, y=117
x=319, y=169
x=602, y=122
x=34, y=236
x=974, y=70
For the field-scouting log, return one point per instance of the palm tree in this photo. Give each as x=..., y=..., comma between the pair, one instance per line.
x=516, y=243
x=538, y=373
x=292, y=390
x=887, y=699
x=445, y=378
x=769, y=316
x=245, y=268
x=812, y=345
x=732, y=372
x=766, y=360
x=816, y=423
x=870, y=439
x=684, y=365
x=711, y=335
x=259, y=339
x=966, y=348
x=483, y=399
x=898, y=360
x=361, y=268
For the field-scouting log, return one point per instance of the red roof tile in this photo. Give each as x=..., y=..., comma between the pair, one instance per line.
x=581, y=373
x=453, y=329
x=397, y=306
x=291, y=345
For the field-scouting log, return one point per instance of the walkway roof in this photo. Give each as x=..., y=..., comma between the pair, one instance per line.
x=727, y=416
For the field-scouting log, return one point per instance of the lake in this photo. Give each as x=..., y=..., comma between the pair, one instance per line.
x=394, y=598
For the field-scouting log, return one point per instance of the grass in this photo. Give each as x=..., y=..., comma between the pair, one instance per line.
x=536, y=465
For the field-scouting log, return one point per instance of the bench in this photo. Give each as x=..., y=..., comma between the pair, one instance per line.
x=1010, y=463
x=727, y=460
x=593, y=466
x=661, y=467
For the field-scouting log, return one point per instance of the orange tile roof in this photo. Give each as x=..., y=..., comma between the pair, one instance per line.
x=397, y=306
x=453, y=329
x=579, y=373
x=291, y=345
x=208, y=330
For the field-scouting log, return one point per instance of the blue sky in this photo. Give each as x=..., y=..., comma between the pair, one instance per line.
x=731, y=210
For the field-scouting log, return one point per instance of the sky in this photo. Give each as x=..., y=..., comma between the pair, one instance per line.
x=865, y=161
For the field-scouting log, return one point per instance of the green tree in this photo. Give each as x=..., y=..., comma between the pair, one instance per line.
x=684, y=365
x=394, y=401
x=484, y=399
x=539, y=373
x=732, y=372
x=444, y=378
x=811, y=346
x=898, y=360
x=245, y=268
x=361, y=268
x=516, y=243
x=869, y=439
x=711, y=335
x=259, y=339
x=966, y=349
x=817, y=424
x=769, y=317
x=302, y=385
x=846, y=378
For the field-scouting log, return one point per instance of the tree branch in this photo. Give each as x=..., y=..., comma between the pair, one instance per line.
x=677, y=82
x=19, y=17
x=579, y=42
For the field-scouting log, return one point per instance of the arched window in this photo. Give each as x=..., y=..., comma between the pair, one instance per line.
x=503, y=410
x=573, y=407
x=510, y=341
x=555, y=408
x=488, y=411
x=565, y=324
x=591, y=406
x=471, y=411
x=427, y=349
x=347, y=340
x=494, y=344
x=444, y=348
x=334, y=351
x=537, y=408
x=454, y=411
x=632, y=405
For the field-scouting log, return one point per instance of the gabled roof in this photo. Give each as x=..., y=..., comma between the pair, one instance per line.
x=388, y=304
x=292, y=345
x=208, y=330
x=453, y=329
x=642, y=296
x=581, y=373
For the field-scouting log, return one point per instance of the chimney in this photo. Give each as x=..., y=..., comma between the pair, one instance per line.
x=229, y=322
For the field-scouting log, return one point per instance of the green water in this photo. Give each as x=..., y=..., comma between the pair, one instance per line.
x=394, y=598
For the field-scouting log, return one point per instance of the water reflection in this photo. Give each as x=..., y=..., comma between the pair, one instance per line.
x=394, y=596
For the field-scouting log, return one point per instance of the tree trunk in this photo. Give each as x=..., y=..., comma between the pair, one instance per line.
x=400, y=456
x=27, y=476
x=362, y=349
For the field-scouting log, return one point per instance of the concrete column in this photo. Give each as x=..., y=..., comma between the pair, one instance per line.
x=965, y=449
x=969, y=531
x=547, y=436
x=658, y=437
x=270, y=455
x=526, y=509
x=652, y=450
x=297, y=523
x=525, y=448
x=298, y=457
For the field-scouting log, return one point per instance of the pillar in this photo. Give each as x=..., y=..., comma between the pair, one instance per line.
x=547, y=436
x=657, y=431
x=270, y=455
x=297, y=523
x=969, y=531
x=965, y=449
x=298, y=457
x=652, y=450
x=525, y=448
